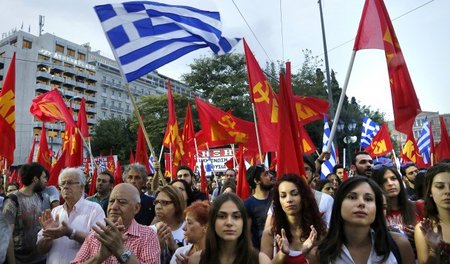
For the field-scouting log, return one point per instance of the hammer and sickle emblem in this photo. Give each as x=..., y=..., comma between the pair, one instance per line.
x=227, y=121
x=258, y=89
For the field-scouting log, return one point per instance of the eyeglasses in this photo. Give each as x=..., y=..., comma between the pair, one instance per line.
x=181, y=176
x=68, y=183
x=386, y=165
x=162, y=202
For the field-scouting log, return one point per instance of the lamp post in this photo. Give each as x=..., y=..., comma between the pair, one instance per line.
x=348, y=129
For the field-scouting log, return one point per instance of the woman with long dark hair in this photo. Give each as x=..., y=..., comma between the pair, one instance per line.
x=433, y=234
x=228, y=236
x=296, y=221
x=358, y=232
x=185, y=189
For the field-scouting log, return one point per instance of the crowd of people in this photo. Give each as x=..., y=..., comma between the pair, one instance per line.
x=378, y=213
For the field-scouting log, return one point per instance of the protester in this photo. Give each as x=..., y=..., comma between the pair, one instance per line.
x=409, y=172
x=358, y=232
x=137, y=175
x=22, y=209
x=103, y=186
x=338, y=169
x=66, y=226
x=185, y=190
x=325, y=186
x=261, y=183
x=122, y=239
x=335, y=180
x=169, y=206
x=296, y=222
x=228, y=186
x=50, y=194
x=194, y=231
x=419, y=186
x=228, y=237
x=184, y=172
x=11, y=187
x=432, y=236
x=4, y=238
x=362, y=164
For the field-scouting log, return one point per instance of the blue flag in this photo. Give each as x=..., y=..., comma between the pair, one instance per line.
x=424, y=142
x=328, y=165
x=146, y=35
x=369, y=130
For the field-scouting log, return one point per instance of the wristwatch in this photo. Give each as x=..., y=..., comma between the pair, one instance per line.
x=125, y=256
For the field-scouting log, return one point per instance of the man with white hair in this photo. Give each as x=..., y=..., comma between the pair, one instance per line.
x=66, y=226
x=122, y=239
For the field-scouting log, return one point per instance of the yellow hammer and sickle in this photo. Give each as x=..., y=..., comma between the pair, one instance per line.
x=380, y=146
x=238, y=136
x=227, y=121
x=258, y=88
x=6, y=103
x=304, y=112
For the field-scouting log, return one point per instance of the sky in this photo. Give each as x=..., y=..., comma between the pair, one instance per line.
x=278, y=30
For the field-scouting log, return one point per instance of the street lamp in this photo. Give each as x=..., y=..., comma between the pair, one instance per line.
x=348, y=139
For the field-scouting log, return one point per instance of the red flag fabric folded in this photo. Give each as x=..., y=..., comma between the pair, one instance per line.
x=43, y=154
x=381, y=144
x=203, y=181
x=443, y=147
x=8, y=113
x=376, y=32
x=56, y=169
x=50, y=107
x=82, y=119
x=93, y=182
x=132, y=159
x=242, y=188
x=187, y=138
x=410, y=152
x=141, y=150
x=118, y=174
x=31, y=155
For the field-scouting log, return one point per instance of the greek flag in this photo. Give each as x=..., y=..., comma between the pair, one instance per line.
x=327, y=166
x=369, y=130
x=424, y=143
x=102, y=164
x=150, y=164
x=146, y=35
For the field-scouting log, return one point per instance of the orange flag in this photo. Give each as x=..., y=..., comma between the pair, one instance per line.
x=203, y=181
x=376, y=32
x=290, y=147
x=411, y=152
x=43, y=154
x=172, y=138
x=221, y=128
x=50, y=106
x=141, y=150
x=242, y=188
x=381, y=144
x=442, y=149
x=82, y=119
x=8, y=113
x=188, y=139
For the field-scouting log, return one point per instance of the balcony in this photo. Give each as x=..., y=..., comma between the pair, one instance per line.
x=41, y=87
x=43, y=75
x=57, y=79
x=91, y=88
x=104, y=106
x=70, y=71
x=91, y=121
x=81, y=85
x=90, y=109
x=70, y=81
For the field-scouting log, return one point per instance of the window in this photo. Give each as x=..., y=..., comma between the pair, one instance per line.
x=26, y=44
x=70, y=52
x=59, y=48
x=81, y=56
x=113, y=92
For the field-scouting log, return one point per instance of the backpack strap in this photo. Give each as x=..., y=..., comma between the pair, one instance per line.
x=394, y=248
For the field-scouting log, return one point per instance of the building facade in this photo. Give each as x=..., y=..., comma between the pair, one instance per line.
x=46, y=62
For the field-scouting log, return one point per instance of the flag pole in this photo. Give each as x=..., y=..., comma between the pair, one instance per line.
x=257, y=133
x=160, y=153
x=341, y=100
x=234, y=156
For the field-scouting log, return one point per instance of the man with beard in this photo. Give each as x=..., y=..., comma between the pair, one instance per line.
x=261, y=183
x=362, y=164
x=409, y=172
x=22, y=209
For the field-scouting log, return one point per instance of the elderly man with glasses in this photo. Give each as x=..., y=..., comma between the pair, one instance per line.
x=66, y=226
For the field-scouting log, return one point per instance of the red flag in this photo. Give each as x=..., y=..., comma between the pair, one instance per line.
x=141, y=150
x=290, y=147
x=222, y=128
x=8, y=113
x=242, y=188
x=203, y=181
x=187, y=137
x=13, y=177
x=168, y=166
x=31, y=155
x=82, y=119
x=310, y=109
x=307, y=143
x=110, y=164
x=56, y=169
x=118, y=174
x=410, y=152
x=381, y=144
x=172, y=138
x=43, y=154
x=73, y=143
x=376, y=32
x=132, y=160
x=443, y=147
x=93, y=181
x=50, y=107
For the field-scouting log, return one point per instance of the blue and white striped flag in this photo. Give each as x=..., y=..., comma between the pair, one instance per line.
x=327, y=166
x=369, y=130
x=424, y=143
x=102, y=164
x=150, y=164
x=146, y=35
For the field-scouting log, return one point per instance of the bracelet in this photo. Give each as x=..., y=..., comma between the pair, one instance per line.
x=72, y=236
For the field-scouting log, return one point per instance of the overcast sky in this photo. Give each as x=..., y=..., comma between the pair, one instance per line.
x=422, y=28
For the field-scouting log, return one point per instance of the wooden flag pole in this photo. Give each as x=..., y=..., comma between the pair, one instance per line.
x=257, y=134
x=341, y=101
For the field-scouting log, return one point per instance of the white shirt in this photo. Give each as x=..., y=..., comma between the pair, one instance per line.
x=84, y=215
x=346, y=258
x=178, y=234
x=325, y=205
x=181, y=250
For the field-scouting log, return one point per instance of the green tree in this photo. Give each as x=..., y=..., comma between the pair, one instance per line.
x=222, y=80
